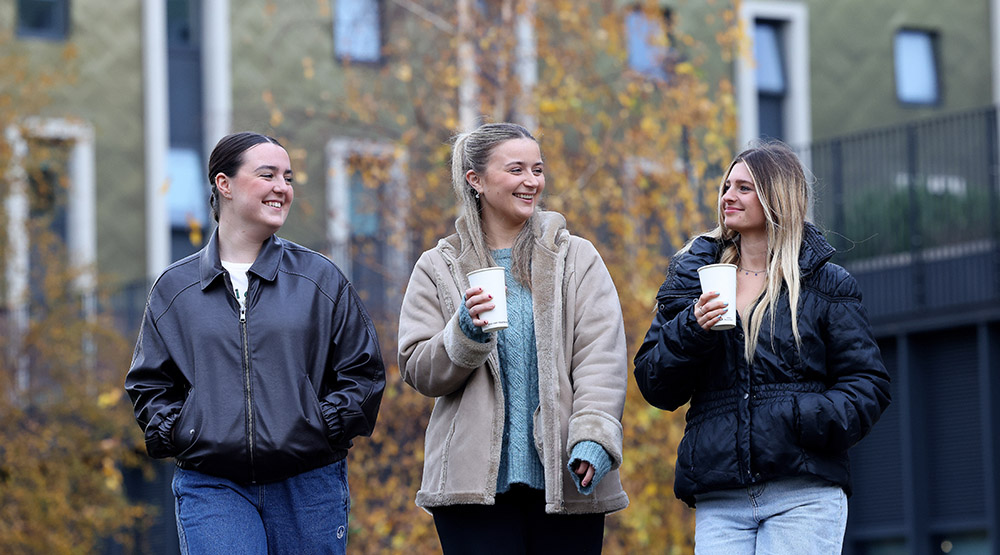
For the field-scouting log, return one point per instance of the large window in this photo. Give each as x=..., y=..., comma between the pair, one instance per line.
x=357, y=30
x=50, y=201
x=48, y=19
x=916, y=68
x=187, y=201
x=772, y=88
x=648, y=42
x=366, y=195
x=187, y=197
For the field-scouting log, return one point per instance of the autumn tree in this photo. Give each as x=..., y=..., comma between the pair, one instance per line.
x=65, y=432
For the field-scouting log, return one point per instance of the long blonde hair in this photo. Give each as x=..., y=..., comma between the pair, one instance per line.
x=784, y=194
x=471, y=151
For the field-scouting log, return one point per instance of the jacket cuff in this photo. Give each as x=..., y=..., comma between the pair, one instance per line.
x=601, y=428
x=159, y=436
x=471, y=330
x=596, y=456
x=463, y=351
x=334, y=425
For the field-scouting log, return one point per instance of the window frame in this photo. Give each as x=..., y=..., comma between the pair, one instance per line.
x=81, y=240
x=797, y=109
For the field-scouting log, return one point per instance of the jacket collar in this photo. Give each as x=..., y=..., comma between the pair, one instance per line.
x=265, y=267
x=815, y=252
x=549, y=229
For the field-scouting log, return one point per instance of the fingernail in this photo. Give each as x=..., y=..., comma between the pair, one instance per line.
x=491, y=296
x=725, y=304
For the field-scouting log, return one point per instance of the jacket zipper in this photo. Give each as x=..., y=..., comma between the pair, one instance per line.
x=248, y=390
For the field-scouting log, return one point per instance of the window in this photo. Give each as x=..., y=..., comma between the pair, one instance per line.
x=773, y=88
x=768, y=53
x=916, y=68
x=366, y=194
x=187, y=196
x=47, y=19
x=357, y=30
x=51, y=187
x=648, y=44
x=187, y=201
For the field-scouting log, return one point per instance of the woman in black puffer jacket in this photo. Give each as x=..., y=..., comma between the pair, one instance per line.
x=777, y=401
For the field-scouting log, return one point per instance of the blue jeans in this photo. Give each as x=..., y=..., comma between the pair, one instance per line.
x=792, y=515
x=306, y=513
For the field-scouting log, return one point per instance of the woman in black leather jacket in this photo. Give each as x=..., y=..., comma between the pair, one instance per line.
x=777, y=401
x=256, y=365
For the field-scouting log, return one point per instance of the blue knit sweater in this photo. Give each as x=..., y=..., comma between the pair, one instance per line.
x=519, y=462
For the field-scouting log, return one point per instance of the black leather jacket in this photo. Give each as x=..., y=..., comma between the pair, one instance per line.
x=260, y=396
x=793, y=412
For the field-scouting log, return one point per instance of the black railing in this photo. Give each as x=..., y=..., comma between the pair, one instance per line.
x=913, y=211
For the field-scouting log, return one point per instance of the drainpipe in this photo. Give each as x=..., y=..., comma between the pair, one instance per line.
x=216, y=72
x=468, y=88
x=527, y=65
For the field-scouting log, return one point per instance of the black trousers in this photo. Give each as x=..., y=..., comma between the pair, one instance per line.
x=517, y=524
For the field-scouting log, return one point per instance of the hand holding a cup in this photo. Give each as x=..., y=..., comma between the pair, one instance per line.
x=486, y=298
x=718, y=292
x=478, y=302
x=709, y=309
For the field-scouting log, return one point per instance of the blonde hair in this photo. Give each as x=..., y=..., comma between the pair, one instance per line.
x=784, y=194
x=471, y=151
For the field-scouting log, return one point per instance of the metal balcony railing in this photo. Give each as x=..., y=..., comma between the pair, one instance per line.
x=914, y=212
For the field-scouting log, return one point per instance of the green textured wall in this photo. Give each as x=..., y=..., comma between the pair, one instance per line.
x=851, y=56
x=105, y=90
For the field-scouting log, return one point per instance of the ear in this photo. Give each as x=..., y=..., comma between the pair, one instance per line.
x=473, y=179
x=223, y=185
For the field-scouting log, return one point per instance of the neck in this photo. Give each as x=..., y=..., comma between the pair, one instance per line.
x=238, y=245
x=499, y=236
x=753, y=252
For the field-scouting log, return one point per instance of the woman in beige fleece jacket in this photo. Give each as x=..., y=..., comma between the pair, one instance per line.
x=525, y=439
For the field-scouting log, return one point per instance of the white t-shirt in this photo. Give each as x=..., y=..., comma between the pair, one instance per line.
x=238, y=275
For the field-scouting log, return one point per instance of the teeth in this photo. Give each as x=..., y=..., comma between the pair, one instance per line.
x=524, y=196
x=273, y=204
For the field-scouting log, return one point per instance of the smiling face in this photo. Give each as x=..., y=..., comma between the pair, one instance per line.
x=511, y=184
x=741, y=208
x=259, y=194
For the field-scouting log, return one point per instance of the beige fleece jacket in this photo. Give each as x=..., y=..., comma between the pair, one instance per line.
x=582, y=371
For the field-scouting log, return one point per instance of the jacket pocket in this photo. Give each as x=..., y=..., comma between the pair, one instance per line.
x=535, y=433
x=184, y=430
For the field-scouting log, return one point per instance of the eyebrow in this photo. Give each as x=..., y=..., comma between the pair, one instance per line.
x=271, y=168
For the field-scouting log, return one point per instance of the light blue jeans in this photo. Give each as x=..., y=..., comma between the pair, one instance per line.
x=303, y=514
x=801, y=515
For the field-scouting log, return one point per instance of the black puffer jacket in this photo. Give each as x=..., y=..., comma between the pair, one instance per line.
x=793, y=411
x=263, y=396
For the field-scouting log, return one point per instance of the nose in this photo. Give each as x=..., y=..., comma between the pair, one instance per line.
x=729, y=196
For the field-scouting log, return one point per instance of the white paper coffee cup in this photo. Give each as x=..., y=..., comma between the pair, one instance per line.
x=492, y=282
x=721, y=278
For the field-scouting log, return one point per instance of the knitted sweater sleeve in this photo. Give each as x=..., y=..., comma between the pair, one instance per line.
x=599, y=360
